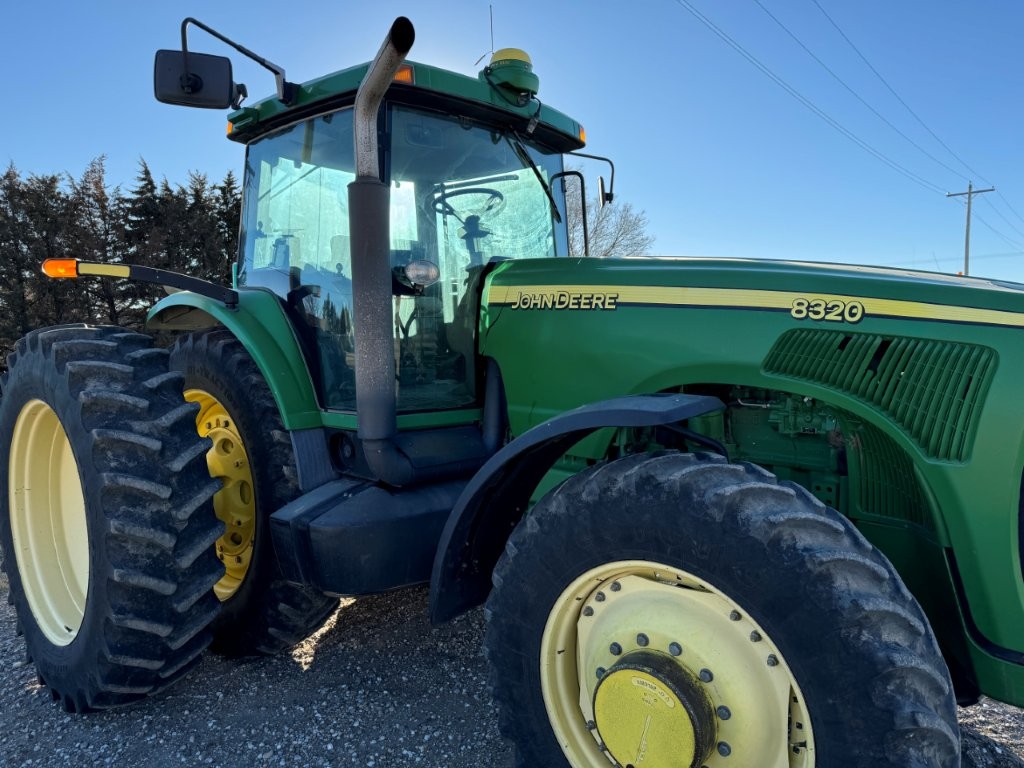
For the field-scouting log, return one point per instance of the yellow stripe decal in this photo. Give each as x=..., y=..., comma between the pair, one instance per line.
x=106, y=270
x=513, y=295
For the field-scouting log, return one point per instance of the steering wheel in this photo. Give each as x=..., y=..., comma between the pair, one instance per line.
x=492, y=206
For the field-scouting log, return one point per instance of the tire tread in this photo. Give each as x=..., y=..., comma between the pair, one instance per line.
x=908, y=677
x=128, y=435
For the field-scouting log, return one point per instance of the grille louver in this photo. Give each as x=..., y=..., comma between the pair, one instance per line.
x=883, y=480
x=933, y=389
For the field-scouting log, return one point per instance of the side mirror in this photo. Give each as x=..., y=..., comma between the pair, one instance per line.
x=206, y=82
x=602, y=196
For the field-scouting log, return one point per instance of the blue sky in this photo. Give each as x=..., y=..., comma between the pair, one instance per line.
x=723, y=161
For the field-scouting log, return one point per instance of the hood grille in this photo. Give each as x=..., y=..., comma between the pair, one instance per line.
x=932, y=389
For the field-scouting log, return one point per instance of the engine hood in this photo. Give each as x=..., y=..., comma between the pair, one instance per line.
x=779, y=286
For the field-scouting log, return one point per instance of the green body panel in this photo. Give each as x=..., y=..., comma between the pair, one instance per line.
x=248, y=122
x=260, y=324
x=427, y=420
x=923, y=380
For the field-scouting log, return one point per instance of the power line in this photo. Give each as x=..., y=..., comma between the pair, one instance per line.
x=939, y=260
x=913, y=114
x=896, y=95
x=1008, y=240
x=856, y=95
x=1005, y=238
x=1003, y=255
x=1000, y=214
x=805, y=101
x=1007, y=202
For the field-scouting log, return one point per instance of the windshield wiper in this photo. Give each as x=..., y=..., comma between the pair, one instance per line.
x=524, y=157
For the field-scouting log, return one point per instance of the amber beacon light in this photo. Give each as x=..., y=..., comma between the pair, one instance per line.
x=58, y=268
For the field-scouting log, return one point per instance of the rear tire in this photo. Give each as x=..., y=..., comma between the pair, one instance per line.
x=718, y=569
x=107, y=524
x=262, y=613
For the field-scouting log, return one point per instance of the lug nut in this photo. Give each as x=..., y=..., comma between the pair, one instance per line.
x=599, y=597
x=723, y=713
x=588, y=611
x=755, y=636
x=675, y=649
x=591, y=725
x=600, y=672
x=724, y=749
x=734, y=615
x=773, y=660
x=706, y=676
x=615, y=649
x=616, y=586
x=642, y=640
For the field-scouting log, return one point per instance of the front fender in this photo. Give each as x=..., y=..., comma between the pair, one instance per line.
x=498, y=495
x=260, y=324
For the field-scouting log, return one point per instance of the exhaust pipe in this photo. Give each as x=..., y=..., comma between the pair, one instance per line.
x=369, y=200
x=371, y=91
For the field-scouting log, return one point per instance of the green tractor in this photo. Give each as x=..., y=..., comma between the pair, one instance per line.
x=721, y=512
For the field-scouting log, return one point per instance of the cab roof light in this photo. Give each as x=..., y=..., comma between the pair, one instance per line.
x=405, y=74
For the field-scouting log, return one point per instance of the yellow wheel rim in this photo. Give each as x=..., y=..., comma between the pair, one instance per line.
x=235, y=503
x=48, y=523
x=639, y=659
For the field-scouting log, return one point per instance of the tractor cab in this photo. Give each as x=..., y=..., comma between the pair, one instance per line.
x=375, y=201
x=464, y=194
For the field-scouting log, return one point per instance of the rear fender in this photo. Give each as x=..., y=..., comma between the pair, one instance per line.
x=260, y=324
x=498, y=495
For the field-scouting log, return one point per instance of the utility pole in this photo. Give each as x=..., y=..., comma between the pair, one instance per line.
x=971, y=192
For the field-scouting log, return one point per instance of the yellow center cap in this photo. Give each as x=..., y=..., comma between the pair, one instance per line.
x=651, y=714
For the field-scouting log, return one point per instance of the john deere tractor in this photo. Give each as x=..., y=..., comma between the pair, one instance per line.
x=721, y=512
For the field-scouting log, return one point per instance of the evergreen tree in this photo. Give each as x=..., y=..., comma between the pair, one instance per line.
x=228, y=213
x=100, y=219
x=191, y=229
x=14, y=300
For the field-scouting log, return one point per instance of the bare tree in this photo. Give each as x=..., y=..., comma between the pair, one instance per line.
x=615, y=230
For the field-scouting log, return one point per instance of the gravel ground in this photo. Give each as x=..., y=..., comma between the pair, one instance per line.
x=377, y=687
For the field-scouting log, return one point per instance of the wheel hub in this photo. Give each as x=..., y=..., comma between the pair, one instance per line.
x=632, y=639
x=234, y=504
x=649, y=711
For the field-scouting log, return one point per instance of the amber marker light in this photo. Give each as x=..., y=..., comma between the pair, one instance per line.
x=583, y=135
x=405, y=74
x=58, y=268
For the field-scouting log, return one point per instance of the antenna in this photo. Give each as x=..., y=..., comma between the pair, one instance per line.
x=490, y=10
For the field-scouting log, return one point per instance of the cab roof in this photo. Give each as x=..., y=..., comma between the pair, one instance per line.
x=424, y=86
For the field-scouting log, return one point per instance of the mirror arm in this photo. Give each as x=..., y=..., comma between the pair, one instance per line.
x=286, y=91
x=611, y=185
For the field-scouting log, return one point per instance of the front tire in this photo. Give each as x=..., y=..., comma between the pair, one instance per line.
x=252, y=454
x=678, y=610
x=107, y=522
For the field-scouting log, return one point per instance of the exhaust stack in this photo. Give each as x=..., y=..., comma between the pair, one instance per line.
x=369, y=201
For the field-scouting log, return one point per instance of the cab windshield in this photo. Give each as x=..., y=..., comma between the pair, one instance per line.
x=462, y=195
